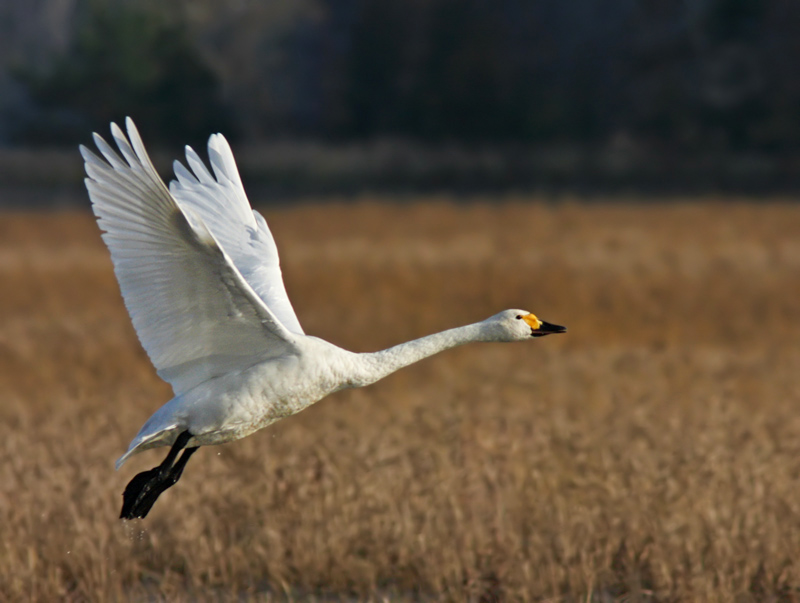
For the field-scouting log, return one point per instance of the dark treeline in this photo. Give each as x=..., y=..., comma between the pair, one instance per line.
x=664, y=77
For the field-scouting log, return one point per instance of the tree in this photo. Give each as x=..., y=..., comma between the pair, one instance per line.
x=124, y=61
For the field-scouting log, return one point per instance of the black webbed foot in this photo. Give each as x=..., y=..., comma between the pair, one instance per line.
x=144, y=489
x=137, y=491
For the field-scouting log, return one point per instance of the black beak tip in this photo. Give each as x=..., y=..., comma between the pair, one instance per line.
x=547, y=328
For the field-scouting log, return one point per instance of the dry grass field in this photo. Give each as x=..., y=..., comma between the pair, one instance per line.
x=652, y=453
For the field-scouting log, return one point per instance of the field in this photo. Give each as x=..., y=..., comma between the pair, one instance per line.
x=652, y=453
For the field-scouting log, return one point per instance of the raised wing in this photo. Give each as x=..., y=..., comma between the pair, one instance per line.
x=221, y=203
x=195, y=314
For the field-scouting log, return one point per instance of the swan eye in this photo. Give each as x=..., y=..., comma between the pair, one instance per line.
x=519, y=316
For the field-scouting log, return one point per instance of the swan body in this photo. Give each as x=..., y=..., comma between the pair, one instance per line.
x=200, y=277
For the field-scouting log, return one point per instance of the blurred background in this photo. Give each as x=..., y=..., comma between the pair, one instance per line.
x=462, y=96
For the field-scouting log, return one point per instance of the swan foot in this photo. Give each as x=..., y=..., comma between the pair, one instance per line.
x=144, y=489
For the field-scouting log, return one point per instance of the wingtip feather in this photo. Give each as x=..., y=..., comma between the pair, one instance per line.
x=116, y=131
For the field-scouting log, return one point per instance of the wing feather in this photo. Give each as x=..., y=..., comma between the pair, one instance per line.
x=195, y=314
x=222, y=204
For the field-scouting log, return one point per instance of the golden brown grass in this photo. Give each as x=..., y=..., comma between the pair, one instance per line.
x=653, y=452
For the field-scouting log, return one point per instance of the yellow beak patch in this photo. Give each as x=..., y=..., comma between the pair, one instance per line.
x=532, y=321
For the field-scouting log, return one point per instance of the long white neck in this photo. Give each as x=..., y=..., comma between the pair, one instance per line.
x=377, y=365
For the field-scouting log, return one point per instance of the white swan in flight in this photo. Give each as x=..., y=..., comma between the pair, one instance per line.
x=199, y=273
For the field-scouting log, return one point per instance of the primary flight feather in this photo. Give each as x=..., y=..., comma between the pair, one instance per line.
x=200, y=276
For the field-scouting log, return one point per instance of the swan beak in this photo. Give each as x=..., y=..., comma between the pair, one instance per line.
x=546, y=328
x=539, y=328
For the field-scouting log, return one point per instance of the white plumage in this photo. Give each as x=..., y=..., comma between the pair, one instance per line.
x=200, y=276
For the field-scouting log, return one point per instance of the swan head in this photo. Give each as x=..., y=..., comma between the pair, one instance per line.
x=519, y=325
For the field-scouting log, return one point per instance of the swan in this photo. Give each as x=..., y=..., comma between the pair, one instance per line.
x=199, y=274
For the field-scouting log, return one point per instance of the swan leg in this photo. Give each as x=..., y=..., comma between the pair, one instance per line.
x=143, y=490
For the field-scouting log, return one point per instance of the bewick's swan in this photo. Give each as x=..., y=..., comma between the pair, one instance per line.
x=198, y=270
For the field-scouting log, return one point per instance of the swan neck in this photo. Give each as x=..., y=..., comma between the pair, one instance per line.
x=377, y=365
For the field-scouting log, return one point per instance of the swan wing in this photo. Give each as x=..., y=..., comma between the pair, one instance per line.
x=195, y=314
x=222, y=204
